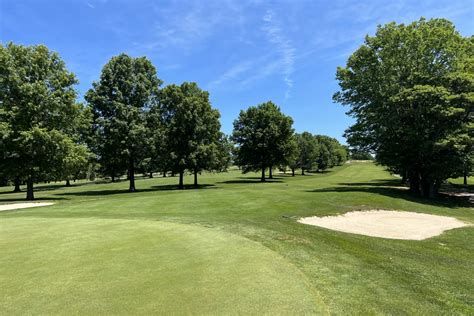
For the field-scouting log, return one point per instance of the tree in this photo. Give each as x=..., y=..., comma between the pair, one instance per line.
x=221, y=154
x=410, y=88
x=75, y=162
x=127, y=88
x=330, y=152
x=263, y=136
x=190, y=130
x=37, y=102
x=308, y=150
x=294, y=156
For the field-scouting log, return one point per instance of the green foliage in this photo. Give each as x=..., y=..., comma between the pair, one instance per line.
x=38, y=114
x=263, y=135
x=128, y=87
x=75, y=164
x=410, y=88
x=188, y=136
x=329, y=152
x=317, y=152
x=308, y=151
x=356, y=154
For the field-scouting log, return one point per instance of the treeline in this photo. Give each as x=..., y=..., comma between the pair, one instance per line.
x=316, y=153
x=265, y=140
x=130, y=124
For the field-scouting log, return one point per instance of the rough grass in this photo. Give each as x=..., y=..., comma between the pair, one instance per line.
x=231, y=246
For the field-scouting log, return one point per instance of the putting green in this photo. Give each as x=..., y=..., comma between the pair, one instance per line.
x=98, y=266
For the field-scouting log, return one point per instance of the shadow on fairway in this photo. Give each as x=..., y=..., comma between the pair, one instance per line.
x=173, y=187
x=244, y=180
x=55, y=186
x=469, y=187
x=394, y=189
x=125, y=191
x=22, y=199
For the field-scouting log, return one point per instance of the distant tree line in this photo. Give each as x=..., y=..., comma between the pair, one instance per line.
x=129, y=125
x=265, y=140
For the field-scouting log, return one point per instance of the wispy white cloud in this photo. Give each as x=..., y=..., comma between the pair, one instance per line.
x=93, y=3
x=279, y=59
x=187, y=27
x=232, y=73
x=284, y=46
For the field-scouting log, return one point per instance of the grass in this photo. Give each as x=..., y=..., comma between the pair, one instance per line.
x=231, y=246
x=459, y=183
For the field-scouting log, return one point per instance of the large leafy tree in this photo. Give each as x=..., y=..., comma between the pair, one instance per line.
x=262, y=135
x=411, y=91
x=329, y=152
x=120, y=100
x=308, y=150
x=75, y=164
x=293, y=158
x=190, y=128
x=37, y=113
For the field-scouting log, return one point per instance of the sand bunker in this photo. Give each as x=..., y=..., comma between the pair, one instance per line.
x=387, y=224
x=16, y=206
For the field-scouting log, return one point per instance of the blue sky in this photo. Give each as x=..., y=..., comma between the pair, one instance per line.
x=242, y=52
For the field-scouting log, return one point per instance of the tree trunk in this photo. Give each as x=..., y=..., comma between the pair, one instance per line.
x=434, y=187
x=17, y=185
x=30, y=196
x=292, y=172
x=164, y=174
x=465, y=178
x=404, y=178
x=181, y=185
x=425, y=188
x=113, y=178
x=262, y=179
x=68, y=183
x=270, y=173
x=131, y=175
x=414, y=179
x=151, y=174
x=302, y=171
x=195, y=178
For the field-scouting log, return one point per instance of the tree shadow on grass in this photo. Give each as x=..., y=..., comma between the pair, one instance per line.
x=125, y=191
x=462, y=187
x=11, y=192
x=54, y=186
x=173, y=187
x=22, y=199
x=394, y=189
x=243, y=180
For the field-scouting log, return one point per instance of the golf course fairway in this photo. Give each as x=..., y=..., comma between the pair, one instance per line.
x=230, y=246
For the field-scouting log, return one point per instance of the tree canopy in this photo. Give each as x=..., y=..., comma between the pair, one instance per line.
x=127, y=88
x=263, y=136
x=190, y=131
x=410, y=89
x=39, y=116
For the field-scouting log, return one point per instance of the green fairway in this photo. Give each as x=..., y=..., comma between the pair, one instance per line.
x=232, y=246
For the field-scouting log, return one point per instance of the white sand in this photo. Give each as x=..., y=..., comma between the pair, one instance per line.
x=16, y=206
x=387, y=224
